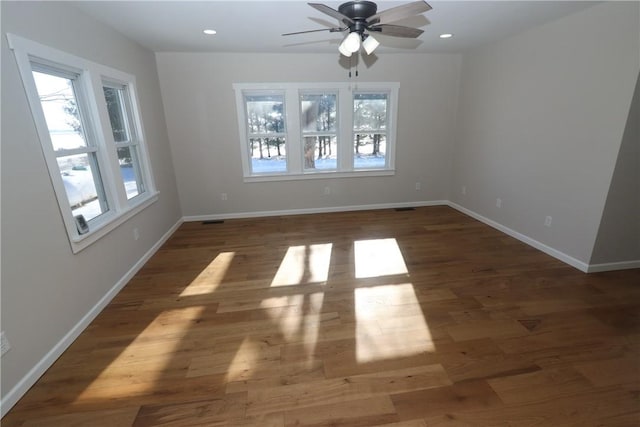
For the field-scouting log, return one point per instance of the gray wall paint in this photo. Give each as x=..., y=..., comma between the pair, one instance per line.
x=540, y=124
x=203, y=129
x=46, y=289
x=619, y=234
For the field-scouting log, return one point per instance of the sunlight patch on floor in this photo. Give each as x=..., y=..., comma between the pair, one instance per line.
x=304, y=264
x=249, y=359
x=389, y=323
x=210, y=278
x=299, y=320
x=145, y=360
x=378, y=257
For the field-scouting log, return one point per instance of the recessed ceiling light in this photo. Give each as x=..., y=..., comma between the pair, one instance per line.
x=209, y=32
x=446, y=36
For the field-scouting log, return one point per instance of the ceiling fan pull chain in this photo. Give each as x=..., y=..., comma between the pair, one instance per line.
x=357, y=61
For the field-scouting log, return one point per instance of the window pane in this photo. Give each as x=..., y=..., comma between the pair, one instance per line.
x=369, y=111
x=60, y=108
x=117, y=113
x=318, y=113
x=320, y=152
x=369, y=151
x=130, y=171
x=268, y=155
x=265, y=114
x=82, y=184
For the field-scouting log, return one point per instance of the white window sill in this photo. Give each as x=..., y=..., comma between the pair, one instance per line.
x=319, y=175
x=110, y=223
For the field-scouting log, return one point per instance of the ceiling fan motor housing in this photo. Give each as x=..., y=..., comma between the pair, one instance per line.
x=358, y=11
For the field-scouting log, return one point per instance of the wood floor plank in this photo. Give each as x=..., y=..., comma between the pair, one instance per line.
x=281, y=321
x=613, y=407
x=409, y=423
x=459, y=397
x=354, y=413
x=493, y=328
x=546, y=384
x=619, y=371
x=357, y=387
x=123, y=417
x=189, y=414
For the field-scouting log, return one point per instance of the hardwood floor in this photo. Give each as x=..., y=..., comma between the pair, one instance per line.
x=403, y=318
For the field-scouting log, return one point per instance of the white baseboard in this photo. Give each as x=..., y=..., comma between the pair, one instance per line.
x=611, y=266
x=259, y=214
x=580, y=265
x=12, y=397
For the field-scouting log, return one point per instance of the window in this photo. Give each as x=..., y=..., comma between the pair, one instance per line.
x=74, y=148
x=266, y=133
x=319, y=131
x=124, y=136
x=370, y=130
x=91, y=136
x=316, y=130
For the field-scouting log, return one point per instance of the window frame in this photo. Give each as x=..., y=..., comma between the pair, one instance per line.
x=93, y=109
x=294, y=136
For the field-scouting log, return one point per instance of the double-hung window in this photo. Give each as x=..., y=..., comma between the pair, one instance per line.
x=370, y=130
x=72, y=140
x=266, y=132
x=318, y=122
x=125, y=137
x=87, y=120
x=316, y=130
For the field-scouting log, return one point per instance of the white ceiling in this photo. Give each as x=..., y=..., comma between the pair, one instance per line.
x=256, y=26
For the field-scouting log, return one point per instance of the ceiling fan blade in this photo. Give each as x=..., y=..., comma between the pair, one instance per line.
x=399, y=12
x=332, y=12
x=396, y=30
x=331, y=30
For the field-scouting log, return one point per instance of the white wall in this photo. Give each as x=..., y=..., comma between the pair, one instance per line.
x=540, y=125
x=203, y=130
x=46, y=290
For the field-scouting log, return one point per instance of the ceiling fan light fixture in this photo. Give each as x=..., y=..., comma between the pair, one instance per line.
x=370, y=44
x=344, y=51
x=351, y=42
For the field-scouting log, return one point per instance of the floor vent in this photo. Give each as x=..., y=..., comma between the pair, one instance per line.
x=213, y=221
x=405, y=209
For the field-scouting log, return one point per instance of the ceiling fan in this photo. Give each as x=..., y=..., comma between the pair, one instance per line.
x=361, y=19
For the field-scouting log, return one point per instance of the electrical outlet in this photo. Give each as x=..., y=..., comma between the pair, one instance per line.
x=547, y=221
x=498, y=203
x=464, y=190
x=327, y=191
x=136, y=233
x=223, y=196
x=418, y=186
x=4, y=344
